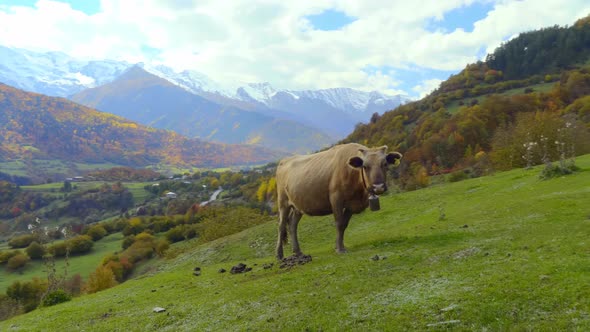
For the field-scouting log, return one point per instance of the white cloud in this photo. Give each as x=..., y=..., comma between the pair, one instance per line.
x=427, y=86
x=265, y=40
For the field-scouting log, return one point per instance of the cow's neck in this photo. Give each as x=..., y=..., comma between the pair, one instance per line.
x=368, y=190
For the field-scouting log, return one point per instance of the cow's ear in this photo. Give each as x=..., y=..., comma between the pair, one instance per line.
x=355, y=162
x=382, y=148
x=393, y=157
x=363, y=151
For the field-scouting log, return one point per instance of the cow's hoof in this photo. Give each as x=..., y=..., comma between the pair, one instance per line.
x=341, y=251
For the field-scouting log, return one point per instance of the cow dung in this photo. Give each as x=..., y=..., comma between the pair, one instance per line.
x=240, y=268
x=294, y=260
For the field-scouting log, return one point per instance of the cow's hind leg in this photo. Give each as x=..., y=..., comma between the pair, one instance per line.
x=282, y=236
x=295, y=217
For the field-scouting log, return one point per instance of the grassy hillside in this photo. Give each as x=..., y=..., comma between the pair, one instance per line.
x=84, y=265
x=503, y=252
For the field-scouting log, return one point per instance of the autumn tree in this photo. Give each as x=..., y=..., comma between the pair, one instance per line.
x=102, y=278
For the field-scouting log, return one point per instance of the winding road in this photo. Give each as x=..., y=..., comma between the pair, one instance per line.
x=213, y=196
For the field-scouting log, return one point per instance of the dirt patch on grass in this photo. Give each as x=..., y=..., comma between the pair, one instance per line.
x=466, y=253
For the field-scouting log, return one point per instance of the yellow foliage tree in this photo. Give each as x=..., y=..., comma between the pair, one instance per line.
x=261, y=192
x=102, y=278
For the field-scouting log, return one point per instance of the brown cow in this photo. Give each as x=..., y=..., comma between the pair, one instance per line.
x=338, y=181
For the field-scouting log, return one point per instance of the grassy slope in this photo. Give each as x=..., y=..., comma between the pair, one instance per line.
x=84, y=264
x=520, y=263
x=454, y=106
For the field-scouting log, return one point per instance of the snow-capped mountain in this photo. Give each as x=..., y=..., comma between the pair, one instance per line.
x=55, y=73
x=335, y=111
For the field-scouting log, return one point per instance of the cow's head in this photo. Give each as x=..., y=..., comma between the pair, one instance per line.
x=373, y=166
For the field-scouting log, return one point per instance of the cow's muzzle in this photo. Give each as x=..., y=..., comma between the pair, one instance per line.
x=379, y=189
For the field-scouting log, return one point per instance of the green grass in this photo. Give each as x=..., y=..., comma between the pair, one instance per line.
x=15, y=167
x=93, y=167
x=454, y=106
x=511, y=254
x=136, y=188
x=541, y=87
x=83, y=264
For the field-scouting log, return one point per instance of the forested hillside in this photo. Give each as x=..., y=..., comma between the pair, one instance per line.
x=496, y=114
x=41, y=127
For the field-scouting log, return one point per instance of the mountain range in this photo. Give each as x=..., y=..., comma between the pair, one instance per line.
x=250, y=113
x=151, y=100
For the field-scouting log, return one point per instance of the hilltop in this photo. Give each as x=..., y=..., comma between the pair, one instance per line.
x=507, y=251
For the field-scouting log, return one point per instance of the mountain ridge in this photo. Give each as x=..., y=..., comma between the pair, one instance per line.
x=141, y=96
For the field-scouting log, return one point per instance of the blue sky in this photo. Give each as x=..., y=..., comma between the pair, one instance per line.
x=392, y=46
x=87, y=6
x=330, y=20
x=461, y=18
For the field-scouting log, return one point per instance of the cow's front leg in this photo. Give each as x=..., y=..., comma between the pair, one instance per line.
x=341, y=227
x=341, y=218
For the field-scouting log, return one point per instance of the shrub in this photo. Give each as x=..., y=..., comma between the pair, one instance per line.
x=102, y=278
x=457, y=176
x=6, y=255
x=134, y=226
x=552, y=171
x=139, y=251
x=55, y=297
x=80, y=244
x=144, y=237
x=96, y=232
x=28, y=293
x=17, y=262
x=143, y=247
x=74, y=285
x=58, y=249
x=35, y=250
x=190, y=231
x=176, y=234
x=22, y=241
x=161, y=247
x=128, y=241
x=9, y=307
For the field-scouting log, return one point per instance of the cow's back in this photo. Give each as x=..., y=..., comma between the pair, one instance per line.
x=307, y=181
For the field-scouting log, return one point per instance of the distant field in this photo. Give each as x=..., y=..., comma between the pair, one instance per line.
x=15, y=167
x=91, y=167
x=136, y=188
x=84, y=264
